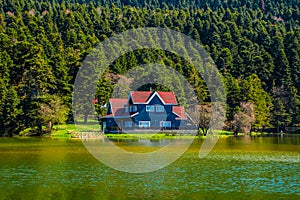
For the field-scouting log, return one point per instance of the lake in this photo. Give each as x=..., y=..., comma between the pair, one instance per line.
x=237, y=168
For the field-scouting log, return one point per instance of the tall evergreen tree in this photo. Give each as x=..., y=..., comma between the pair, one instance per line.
x=252, y=91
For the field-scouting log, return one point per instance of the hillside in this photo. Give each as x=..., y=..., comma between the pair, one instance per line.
x=254, y=43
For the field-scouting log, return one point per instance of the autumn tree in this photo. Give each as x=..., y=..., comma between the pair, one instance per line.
x=244, y=119
x=206, y=120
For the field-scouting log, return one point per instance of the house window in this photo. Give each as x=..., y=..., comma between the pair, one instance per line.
x=165, y=124
x=126, y=109
x=160, y=108
x=144, y=123
x=128, y=124
x=130, y=108
x=150, y=108
x=134, y=108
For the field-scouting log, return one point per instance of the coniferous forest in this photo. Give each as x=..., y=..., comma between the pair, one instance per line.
x=254, y=43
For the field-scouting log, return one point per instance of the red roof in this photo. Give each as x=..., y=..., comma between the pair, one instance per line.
x=168, y=97
x=144, y=96
x=140, y=96
x=117, y=106
x=179, y=111
x=118, y=110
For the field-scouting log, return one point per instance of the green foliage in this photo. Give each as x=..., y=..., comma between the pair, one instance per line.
x=9, y=102
x=280, y=117
x=43, y=44
x=232, y=94
x=252, y=91
x=52, y=111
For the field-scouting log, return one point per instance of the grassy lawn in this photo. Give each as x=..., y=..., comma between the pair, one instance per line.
x=63, y=130
x=69, y=130
x=161, y=135
x=260, y=133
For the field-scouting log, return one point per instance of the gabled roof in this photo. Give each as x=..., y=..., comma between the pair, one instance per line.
x=145, y=97
x=117, y=107
x=140, y=96
x=168, y=97
x=179, y=112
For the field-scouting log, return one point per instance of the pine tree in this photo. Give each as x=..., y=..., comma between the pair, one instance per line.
x=9, y=100
x=279, y=117
x=232, y=95
x=282, y=71
x=252, y=91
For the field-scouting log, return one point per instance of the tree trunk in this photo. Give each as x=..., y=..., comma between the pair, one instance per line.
x=85, y=118
x=204, y=131
x=40, y=128
x=50, y=125
x=235, y=133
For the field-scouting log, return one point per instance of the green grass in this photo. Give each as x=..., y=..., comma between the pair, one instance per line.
x=146, y=135
x=63, y=130
x=259, y=133
x=161, y=135
x=69, y=130
x=222, y=132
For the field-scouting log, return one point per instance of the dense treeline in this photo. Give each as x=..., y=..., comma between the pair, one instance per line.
x=254, y=43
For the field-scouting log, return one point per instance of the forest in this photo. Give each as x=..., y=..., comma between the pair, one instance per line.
x=255, y=44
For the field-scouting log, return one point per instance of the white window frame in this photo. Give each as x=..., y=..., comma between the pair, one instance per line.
x=162, y=123
x=142, y=126
x=160, y=106
x=150, y=108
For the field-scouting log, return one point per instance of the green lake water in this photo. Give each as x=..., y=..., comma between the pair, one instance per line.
x=237, y=168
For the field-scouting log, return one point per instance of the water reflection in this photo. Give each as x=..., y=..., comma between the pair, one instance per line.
x=255, y=168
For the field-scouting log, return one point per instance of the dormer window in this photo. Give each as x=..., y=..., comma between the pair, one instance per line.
x=150, y=108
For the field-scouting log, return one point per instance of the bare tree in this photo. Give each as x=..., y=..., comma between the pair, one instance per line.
x=205, y=119
x=244, y=119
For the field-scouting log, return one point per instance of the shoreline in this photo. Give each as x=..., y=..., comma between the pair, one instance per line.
x=69, y=131
x=132, y=136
